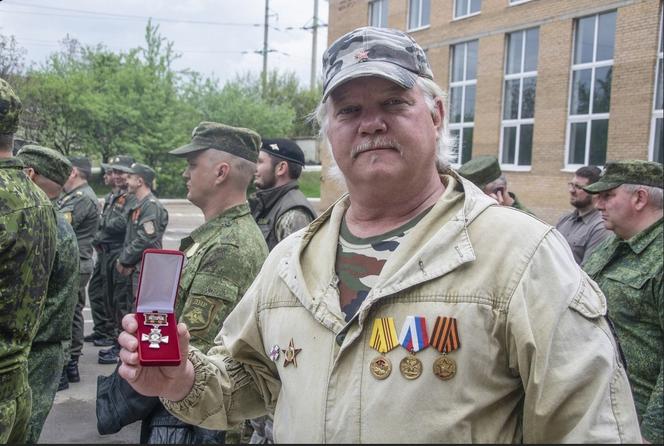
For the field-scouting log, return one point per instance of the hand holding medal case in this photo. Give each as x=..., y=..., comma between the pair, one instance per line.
x=155, y=302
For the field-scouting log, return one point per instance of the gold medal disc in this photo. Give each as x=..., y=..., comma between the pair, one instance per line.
x=444, y=367
x=380, y=367
x=410, y=367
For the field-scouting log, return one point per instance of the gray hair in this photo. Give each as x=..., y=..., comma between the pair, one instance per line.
x=655, y=194
x=446, y=144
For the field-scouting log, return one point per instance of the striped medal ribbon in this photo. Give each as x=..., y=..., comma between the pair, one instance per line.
x=413, y=338
x=445, y=339
x=383, y=339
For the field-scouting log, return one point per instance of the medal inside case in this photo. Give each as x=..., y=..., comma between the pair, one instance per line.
x=155, y=304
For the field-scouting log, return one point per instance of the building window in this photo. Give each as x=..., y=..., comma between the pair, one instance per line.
x=378, y=13
x=516, y=143
x=463, y=80
x=656, y=152
x=518, y=2
x=465, y=8
x=590, y=95
x=418, y=14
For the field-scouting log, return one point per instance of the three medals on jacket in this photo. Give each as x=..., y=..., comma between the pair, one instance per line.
x=413, y=337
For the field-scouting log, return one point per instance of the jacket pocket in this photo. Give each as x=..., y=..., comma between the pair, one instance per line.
x=590, y=301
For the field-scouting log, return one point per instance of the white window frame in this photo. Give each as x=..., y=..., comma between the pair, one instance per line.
x=458, y=16
x=461, y=126
x=382, y=4
x=521, y=76
x=657, y=113
x=517, y=2
x=419, y=19
x=589, y=117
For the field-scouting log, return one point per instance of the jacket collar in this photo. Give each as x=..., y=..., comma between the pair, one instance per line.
x=643, y=239
x=267, y=198
x=211, y=227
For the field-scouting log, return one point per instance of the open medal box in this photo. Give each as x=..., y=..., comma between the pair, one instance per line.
x=155, y=307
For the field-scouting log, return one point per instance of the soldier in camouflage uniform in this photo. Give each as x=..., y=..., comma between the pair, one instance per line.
x=484, y=171
x=80, y=207
x=49, y=170
x=105, y=284
x=627, y=266
x=27, y=251
x=223, y=255
x=146, y=224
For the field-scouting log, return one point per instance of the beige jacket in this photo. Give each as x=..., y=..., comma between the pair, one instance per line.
x=537, y=361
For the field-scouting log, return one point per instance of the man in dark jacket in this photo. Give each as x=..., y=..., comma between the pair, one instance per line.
x=279, y=207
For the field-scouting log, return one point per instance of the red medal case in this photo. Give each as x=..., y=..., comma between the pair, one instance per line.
x=157, y=290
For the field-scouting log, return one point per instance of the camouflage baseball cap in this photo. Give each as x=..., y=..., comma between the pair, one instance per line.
x=382, y=52
x=285, y=149
x=46, y=162
x=10, y=108
x=481, y=170
x=82, y=163
x=616, y=173
x=146, y=172
x=237, y=141
x=119, y=162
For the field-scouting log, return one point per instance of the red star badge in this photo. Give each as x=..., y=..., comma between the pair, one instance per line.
x=362, y=55
x=290, y=354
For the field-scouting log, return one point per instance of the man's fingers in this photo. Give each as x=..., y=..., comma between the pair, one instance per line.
x=129, y=323
x=128, y=341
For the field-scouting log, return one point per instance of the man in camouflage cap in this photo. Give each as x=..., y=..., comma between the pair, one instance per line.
x=223, y=255
x=484, y=171
x=627, y=266
x=27, y=251
x=411, y=245
x=80, y=206
x=107, y=287
x=50, y=170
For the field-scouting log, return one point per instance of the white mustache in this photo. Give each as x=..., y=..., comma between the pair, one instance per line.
x=375, y=143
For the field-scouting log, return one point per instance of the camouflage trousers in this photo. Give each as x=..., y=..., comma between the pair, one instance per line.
x=44, y=368
x=14, y=417
x=122, y=296
x=77, y=325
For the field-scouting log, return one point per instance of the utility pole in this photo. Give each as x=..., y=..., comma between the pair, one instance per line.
x=314, y=46
x=265, y=28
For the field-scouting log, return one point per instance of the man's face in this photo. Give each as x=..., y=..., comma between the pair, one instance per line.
x=264, y=178
x=119, y=178
x=617, y=209
x=381, y=132
x=200, y=176
x=108, y=179
x=133, y=183
x=579, y=198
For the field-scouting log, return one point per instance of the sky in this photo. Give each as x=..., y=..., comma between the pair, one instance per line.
x=217, y=38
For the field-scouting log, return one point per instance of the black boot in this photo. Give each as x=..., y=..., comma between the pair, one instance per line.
x=64, y=383
x=72, y=370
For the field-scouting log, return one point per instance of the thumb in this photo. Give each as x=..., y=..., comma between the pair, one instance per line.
x=183, y=340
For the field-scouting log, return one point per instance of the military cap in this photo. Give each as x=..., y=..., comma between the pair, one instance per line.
x=46, y=162
x=382, y=52
x=616, y=173
x=10, y=108
x=237, y=141
x=82, y=163
x=146, y=172
x=285, y=149
x=119, y=162
x=481, y=170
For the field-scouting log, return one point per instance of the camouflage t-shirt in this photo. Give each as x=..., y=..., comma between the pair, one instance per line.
x=629, y=273
x=360, y=261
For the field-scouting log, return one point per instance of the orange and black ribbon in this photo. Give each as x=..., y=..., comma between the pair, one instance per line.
x=445, y=336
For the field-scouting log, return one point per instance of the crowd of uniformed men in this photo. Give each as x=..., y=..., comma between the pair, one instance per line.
x=47, y=261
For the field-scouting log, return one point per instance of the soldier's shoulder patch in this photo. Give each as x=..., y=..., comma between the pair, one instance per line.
x=199, y=314
x=149, y=228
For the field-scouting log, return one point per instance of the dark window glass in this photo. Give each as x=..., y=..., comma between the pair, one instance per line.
x=658, y=148
x=532, y=50
x=475, y=6
x=577, y=143
x=528, y=97
x=581, y=92
x=585, y=36
x=599, y=132
x=471, y=64
x=511, y=107
x=515, y=41
x=460, y=8
x=426, y=12
x=660, y=86
x=457, y=62
x=606, y=36
x=525, y=144
x=455, y=104
x=414, y=14
x=602, y=94
x=467, y=144
x=469, y=104
x=509, y=145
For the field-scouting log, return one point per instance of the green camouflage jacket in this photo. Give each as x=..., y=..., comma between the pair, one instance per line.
x=62, y=294
x=113, y=223
x=145, y=229
x=629, y=272
x=27, y=250
x=224, y=256
x=81, y=209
